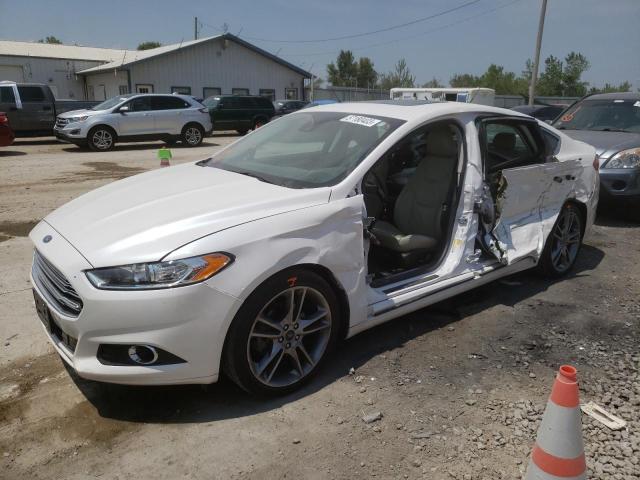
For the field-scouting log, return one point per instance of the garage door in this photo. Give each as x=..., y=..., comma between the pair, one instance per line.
x=12, y=73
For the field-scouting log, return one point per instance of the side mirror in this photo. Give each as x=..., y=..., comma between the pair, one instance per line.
x=548, y=121
x=123, y=109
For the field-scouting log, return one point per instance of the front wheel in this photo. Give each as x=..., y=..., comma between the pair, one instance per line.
x=259, y=122
x=563, y=244
x=101, y=139
x=282, y=333
x=192, y=135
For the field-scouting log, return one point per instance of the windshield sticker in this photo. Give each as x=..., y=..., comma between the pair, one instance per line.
x=618, y=101
x=360, y=120
x=637, y=104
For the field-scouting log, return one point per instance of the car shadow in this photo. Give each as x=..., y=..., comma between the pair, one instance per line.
x=36, y=141
x=122, y=147
x=610, y=216
x=224, y=400
x=11, y=153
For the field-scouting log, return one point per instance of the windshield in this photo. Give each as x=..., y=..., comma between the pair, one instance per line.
x=306, y=149
x=112, y=102
x=603, y=115
x=211, y=102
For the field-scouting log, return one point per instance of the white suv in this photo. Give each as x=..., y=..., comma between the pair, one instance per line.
x=133, y=118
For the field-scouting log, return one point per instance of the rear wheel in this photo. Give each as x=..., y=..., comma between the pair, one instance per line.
x=101, y=139
x=563, y=243
x=242, y=131
x=192, y=135
x=282, y=333
x=259, y=122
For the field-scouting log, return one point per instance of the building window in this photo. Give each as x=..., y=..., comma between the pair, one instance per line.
x=270, y=93
x=123, y=89
x=211, y=92
x=239, y=91
x=144, y=88
x=181, y=90
x=291, y=93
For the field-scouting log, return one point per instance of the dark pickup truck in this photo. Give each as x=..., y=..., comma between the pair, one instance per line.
x=32, y=109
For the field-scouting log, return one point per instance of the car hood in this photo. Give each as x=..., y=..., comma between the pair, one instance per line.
x=145, y=217
x=80, y=112
x=606, y=143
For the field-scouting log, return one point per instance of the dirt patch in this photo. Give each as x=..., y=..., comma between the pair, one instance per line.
x=16, y=229
x=100, y=171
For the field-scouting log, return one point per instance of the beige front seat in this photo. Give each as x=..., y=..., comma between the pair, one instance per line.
x=418, y=209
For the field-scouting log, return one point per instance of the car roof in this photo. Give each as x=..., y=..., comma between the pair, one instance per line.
x=412, y=109
x=614, y=96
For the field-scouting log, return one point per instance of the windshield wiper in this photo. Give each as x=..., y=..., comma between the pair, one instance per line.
x=256, y=176
x=607, y=129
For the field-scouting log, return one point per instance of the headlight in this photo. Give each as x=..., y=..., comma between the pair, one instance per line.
x=625, y=159
x=145, y=276
x=78, y=119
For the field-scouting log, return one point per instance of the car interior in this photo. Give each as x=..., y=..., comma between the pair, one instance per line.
x=409, y=196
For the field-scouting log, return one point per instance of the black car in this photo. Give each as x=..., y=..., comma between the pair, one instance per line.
x=541, y=112
x=239, y=112
x=287, y=106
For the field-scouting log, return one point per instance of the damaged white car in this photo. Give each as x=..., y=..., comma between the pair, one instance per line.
x=313, y=228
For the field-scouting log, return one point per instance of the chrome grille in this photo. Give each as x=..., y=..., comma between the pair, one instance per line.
x=61, y=122
x=55, y=287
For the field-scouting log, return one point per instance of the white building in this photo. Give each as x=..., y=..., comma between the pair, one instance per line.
x=223, y=64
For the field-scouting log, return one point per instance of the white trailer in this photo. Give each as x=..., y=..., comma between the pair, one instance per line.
x=482, y=96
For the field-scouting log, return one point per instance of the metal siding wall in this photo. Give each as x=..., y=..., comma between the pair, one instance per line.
x=61, y=73
x=111, y=81
x=211, y=65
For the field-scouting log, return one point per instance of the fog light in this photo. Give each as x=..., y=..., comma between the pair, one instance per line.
x=143, y=354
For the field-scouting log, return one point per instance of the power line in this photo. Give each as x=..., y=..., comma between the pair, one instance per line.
x=372, y=32
x=442, y=27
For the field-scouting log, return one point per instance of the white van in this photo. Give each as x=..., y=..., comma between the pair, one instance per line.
x=482, y=96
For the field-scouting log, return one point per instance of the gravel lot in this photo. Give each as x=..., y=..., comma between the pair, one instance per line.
x=453, y=391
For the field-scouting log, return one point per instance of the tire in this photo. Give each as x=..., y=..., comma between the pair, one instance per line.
x=266, y=338
x=242, y=131
x=259, y=122
x=192, y=135
x=563, y=244
x=101, y=138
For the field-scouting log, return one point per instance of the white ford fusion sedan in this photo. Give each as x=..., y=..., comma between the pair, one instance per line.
x=257, y=261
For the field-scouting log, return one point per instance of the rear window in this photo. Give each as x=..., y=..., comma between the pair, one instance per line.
x=615, y=115
x=31, y=94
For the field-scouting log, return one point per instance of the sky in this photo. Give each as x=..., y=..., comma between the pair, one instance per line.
x=463, y=41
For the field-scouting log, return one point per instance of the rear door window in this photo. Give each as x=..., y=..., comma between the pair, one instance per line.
x=168, y=103
x=31, y=94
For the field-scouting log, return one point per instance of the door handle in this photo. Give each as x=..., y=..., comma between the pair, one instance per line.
x=557, y=179
x=569, y=177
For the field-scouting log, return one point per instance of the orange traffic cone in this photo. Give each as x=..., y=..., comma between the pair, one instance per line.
x=559, y=452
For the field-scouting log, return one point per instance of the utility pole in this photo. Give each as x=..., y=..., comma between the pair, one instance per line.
x=536, y=61
x=195, y=28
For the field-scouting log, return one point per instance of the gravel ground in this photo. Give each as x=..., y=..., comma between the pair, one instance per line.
x=453, y=391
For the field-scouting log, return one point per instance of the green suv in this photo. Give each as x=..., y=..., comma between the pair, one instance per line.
x=239, y=112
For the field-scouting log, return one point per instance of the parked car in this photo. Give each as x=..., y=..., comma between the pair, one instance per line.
x=611, y=123
x=6, y=132
x=541, y=112
x=283, y=107
x=323, y=101
x=332, y=220
x=136, y=118
x=239, y=112
x=32, y=108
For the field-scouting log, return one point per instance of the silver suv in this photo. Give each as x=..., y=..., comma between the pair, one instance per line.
x=135, y=118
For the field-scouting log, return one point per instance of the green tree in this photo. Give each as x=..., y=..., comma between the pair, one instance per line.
x=504, y=83
x=550, y=82
x=50, y=39
x=609, y=88
x=433, y=83
x=575, y=64
x=399, y=77
x=366, y=75
x=148, y=45
x=344, y=71
x=461, y=80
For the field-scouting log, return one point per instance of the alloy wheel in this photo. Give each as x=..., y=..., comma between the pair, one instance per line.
x=193, y=136
x=289, y=336
x=566, y=240
x=102, y=139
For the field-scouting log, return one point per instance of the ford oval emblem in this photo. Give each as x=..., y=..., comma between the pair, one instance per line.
x=47, y=238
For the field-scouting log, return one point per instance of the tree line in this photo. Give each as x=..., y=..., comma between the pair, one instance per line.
x=557, y=77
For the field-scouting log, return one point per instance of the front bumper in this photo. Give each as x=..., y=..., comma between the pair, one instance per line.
x=189, y=322
x=620, y=183
x=72, y=133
